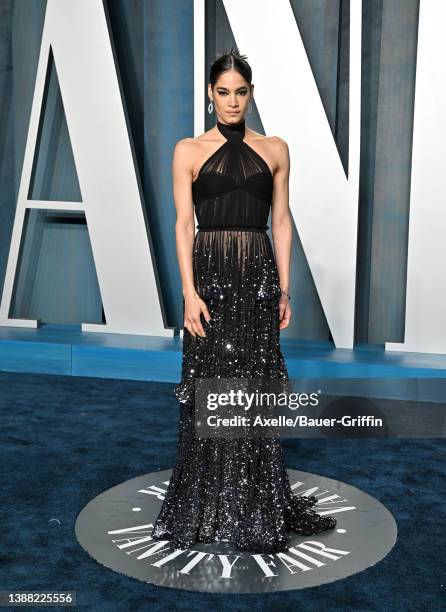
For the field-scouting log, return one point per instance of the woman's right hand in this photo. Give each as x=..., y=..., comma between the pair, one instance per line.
x=193, y=307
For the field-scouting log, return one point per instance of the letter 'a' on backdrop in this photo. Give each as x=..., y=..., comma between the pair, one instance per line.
x=108, y=177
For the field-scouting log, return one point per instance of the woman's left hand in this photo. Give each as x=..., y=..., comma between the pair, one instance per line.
x=284, y=311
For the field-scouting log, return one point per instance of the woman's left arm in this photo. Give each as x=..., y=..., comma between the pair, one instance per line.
x=281, y=225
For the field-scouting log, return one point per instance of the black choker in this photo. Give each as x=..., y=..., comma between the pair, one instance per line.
x=233, y=131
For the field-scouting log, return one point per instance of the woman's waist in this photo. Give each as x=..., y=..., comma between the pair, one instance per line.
x=228, y=243
x=239, y=213
x=231, y=228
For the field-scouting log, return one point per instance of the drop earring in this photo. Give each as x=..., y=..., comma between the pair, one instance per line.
x=250, y=108
x=210, y=107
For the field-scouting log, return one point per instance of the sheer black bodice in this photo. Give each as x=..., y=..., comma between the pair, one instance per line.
x=234, y=186
x=233, y=489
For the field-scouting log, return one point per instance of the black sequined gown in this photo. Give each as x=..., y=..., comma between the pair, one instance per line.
x=233, y=489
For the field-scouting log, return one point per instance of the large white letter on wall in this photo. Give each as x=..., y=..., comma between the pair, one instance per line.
x=111, y=194
x=425, y=325
x=323, y=202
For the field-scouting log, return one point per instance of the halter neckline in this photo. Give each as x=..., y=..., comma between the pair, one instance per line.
x=234, y=132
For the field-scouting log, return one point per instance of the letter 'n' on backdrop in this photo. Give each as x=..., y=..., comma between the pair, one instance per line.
x=323, y=201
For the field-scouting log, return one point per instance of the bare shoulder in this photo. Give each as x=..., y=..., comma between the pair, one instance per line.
x=184, y=149
x=184, y=144
x=279, y=143
x=280, y=151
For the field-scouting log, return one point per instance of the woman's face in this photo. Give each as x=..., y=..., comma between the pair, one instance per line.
x=231, y=95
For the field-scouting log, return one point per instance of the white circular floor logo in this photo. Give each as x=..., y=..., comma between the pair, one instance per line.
x=115, y=529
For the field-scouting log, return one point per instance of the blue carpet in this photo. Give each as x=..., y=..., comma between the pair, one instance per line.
x=66, y=439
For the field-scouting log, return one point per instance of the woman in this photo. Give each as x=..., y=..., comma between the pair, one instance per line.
x=235, y=302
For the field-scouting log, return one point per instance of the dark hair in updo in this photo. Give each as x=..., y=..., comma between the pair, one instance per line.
x=230, y=60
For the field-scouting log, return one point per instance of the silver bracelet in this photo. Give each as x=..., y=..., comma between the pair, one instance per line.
x=285, y=293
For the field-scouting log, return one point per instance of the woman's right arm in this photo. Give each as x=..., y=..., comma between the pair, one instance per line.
x=185, y=234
